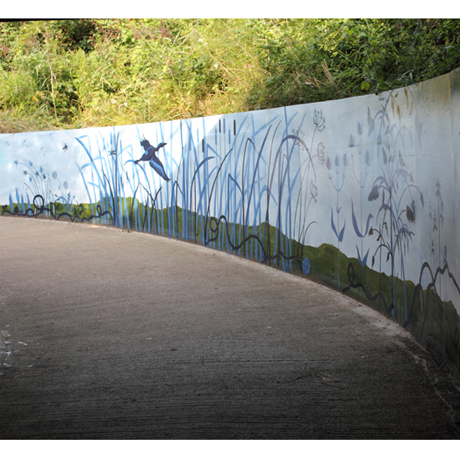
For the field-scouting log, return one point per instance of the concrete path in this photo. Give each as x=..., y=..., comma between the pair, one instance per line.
x=113, y=335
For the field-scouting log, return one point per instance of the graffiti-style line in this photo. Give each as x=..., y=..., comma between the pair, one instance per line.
x=41, y=209
x=418, y=288
x=16, y=212
x=214, y=228
x=353, y=285
x=451, y=331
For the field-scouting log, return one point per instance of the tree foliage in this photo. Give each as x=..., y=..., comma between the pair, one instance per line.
x=103, y=72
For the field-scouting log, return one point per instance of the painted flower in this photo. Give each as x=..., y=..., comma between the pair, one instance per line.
x=319, y=120
x=313, y=190
x=374, y=193
x=298, y=132
x=410, y=213
x=320, y=151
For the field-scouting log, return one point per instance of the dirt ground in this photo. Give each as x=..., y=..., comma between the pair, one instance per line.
x=113, y=335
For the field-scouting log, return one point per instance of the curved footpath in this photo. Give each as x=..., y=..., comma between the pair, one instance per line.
x=107, y=334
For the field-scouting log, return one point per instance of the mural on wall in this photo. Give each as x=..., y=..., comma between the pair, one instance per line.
x=348, y=192
x=394, y=191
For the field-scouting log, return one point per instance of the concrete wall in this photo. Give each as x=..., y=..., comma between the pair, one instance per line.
x=360, y=193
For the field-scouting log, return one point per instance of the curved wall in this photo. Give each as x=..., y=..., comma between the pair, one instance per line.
x=360, y=193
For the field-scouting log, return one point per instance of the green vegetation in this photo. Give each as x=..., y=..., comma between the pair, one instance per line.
x=79, y=73
x=315, y=60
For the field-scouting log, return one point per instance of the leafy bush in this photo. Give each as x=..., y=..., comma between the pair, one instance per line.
x=313, y=60
x=103, y=72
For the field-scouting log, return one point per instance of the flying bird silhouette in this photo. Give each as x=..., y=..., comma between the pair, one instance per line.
x=154, y=162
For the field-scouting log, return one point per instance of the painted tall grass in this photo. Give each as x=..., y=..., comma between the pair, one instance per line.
x=235, y=187
x=38, y=196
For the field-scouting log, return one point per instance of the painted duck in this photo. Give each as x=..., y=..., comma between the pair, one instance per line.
x=150, y=156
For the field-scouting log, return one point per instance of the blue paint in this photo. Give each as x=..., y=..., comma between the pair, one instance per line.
x=306, y=266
